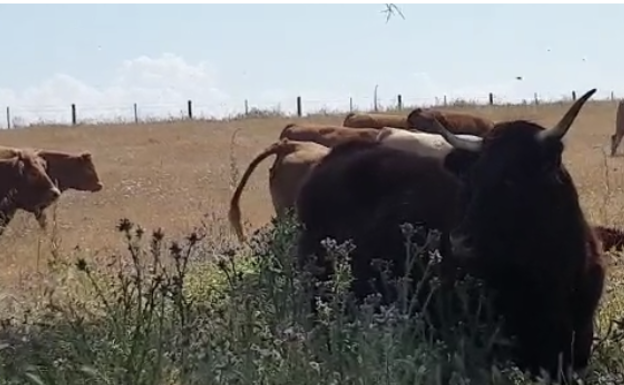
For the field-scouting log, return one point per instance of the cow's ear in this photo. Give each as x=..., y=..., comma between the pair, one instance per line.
x=459, y=161
x=552, y=152
x=86, y=155
x=19, y=155
x=412, y=118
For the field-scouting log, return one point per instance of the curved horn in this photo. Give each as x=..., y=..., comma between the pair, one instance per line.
x=453, y=140
x=561, y=128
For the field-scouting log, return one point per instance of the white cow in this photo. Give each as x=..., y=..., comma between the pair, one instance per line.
x=423, y=143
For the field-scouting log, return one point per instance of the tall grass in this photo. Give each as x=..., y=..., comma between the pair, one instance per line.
x=195, y=312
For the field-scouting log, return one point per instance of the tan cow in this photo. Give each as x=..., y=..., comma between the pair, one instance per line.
x=616, y=138
x=66, y=170
x=326, y=135
x=355, y=120
x=24, y=184
x=456, y=122
x=293, y=161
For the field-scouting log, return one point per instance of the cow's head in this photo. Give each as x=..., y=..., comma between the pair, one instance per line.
x=70, y=171
x=508, y=172
x=33, y=189
x=415, y=119
x=424, y=119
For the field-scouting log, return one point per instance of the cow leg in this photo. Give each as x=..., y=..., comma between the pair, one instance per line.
x=615, y=142
x=5, y=219
x=586, y=303
x=311, y=262
x=41, y=218
x=308, y=249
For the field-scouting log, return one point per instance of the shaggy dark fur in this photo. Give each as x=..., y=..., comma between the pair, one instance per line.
x=533, y=246
x=363, y=192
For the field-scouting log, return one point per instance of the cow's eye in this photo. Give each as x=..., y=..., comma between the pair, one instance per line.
x=31, y=175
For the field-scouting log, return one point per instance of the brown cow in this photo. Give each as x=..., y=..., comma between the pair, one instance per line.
x=24, y=185
x=374, y=121
x=69, y=171
x=292, y=163
x=616, y=138
x=66, y=170
x=326, y=135
x=515, y=222
x=456, y=122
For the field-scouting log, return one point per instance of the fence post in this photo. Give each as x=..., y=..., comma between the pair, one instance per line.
x=491, y=97
x=246, y=107
x=136, y=114
x=445, y=102
x=536, y=98
x=350, y=104
x=8, y=117
x=375, y=105
x=612, y=96
x=73, y=114
x=299, y=112
x=573, y=96
x=399, y=102
x=190, y=109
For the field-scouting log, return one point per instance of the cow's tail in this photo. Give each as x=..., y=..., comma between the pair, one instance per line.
x=234, y=214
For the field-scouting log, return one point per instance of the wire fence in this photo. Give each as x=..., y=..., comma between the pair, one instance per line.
x=76, y=114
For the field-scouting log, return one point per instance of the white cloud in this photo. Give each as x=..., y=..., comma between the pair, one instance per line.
x=160, y=86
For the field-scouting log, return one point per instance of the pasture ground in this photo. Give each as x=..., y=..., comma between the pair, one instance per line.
x=180, y=175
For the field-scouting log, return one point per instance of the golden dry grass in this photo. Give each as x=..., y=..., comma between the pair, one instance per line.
x=172, y=174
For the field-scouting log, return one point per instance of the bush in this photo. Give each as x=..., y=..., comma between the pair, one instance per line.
x=192, y=312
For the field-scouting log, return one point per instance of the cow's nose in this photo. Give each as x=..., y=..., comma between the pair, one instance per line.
x=55, y=193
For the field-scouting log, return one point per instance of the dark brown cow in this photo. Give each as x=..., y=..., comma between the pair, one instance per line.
x=326, y=134
x=522, y=230
x=524, y=225
x=375, y=121
x=456, y=122
x=24, y=185
x=69, y=171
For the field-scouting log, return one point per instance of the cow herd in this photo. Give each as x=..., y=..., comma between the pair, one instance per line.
x=499, y=194
x=33, y=179
x=504, y=203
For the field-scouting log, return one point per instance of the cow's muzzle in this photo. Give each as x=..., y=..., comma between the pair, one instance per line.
x=52, y=195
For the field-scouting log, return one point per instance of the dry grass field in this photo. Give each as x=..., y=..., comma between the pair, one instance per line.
x=146, y=317
x=176, y=175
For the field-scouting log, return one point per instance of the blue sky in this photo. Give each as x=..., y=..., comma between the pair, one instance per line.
x=106, y=57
